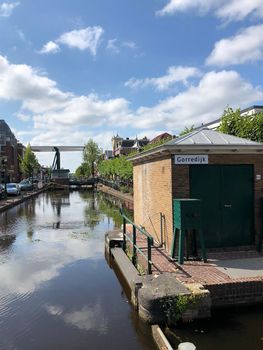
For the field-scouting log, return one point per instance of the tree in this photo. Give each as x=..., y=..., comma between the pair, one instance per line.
x=83, y=170
x=187, y=130
x=117, y=168
x=29, y=163
x=249, y=127
x=91, y=155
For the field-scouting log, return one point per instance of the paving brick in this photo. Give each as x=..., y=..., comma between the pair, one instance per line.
x=224, y=289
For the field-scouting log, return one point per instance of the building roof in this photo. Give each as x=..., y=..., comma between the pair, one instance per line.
x=205, y=136
x=160, y=137
x=130, y=143
x=243, y=112
x=203, y=140
x=127, y=143
x=251, y=108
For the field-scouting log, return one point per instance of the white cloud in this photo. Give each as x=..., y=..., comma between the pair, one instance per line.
x=50, y=47
x=130, y=44
x=83, y=39
x=112, y=46
x=201, y=103
x=236, y=10
x=85, y=110
x=174, y=6
x=173, y=75
x=227, y=10
x=115, y=46
x=26, y=274
x=21, y=35
x=246, y=46
x=6, y=8
x=22, y=82
x=88, y=318
x=23, y=117
x=64, y=118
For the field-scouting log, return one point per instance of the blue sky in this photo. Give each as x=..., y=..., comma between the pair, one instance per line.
x=75, y=70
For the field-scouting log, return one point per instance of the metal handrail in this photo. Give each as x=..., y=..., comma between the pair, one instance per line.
x=135, y=227
x=141, y=229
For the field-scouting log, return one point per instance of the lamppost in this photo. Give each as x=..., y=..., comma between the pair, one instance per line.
x=3, y=170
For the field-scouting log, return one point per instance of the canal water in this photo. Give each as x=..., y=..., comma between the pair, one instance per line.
x=228, y=329
x=56, y=290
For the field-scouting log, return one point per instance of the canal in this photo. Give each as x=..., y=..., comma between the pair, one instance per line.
x=56, y=290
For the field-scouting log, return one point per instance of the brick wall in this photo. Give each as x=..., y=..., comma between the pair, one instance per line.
x=152, y=195
x=158, y=181
x=238, y=292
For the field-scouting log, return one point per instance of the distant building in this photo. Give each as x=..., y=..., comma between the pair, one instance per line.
x=252, y=110
x=162, y=137
x=10, y=151
x=124, y=147
x=108, y=154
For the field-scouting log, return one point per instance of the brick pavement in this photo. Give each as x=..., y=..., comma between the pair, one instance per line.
x=194, y=271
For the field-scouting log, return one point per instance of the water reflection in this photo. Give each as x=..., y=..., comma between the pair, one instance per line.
x=237, y=328
x=6, y=241
x=34, y=266
x=55, y=281
x=91, y=211
x=111, y=207
x=88, y=318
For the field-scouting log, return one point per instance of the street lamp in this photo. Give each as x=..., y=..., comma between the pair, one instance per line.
x=3, y=168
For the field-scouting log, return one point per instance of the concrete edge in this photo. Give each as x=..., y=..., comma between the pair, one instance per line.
x=17, y=201
x=160, y=339
x=116, y=193
x=129, y=272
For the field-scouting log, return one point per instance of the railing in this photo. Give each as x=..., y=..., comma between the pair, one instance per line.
x=135, y=248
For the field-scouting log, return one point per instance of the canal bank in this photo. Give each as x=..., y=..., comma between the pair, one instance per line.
x=8, y=203
x=55, y=280
x=232, y=278
x=125, y=197
x=229, y=277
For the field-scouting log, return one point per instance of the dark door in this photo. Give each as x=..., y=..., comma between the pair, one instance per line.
x=226, y=192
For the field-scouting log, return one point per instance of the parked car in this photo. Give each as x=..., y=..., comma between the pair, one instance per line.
x=2, y=191
x=25, y=185
x=13, y=189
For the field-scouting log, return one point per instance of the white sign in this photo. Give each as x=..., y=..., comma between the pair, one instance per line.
x=184, y=159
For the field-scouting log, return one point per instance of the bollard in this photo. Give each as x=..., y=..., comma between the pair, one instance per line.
x=186, y=346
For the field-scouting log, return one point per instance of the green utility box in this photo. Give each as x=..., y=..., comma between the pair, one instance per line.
x=187, y=215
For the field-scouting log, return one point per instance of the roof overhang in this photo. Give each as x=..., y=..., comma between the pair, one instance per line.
x=165, y=150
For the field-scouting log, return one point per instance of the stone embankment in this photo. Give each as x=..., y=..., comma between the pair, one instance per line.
x=127, y=198
x=10, y=202
x=159, y=298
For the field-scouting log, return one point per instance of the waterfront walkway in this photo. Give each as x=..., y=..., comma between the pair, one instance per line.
x=10, y=202
x=229, y=276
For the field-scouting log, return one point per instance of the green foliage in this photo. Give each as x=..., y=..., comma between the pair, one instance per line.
x=29, y=163
x=83, y=170
x=187, y=130
x=91, y=156
x=156, y=144
x=249, y=127
x=174, y=307
x=109, y=207
x=120, y=168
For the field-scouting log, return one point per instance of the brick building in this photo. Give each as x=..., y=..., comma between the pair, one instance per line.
x=224, y=171
x=10, y=151
x=124, y=147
